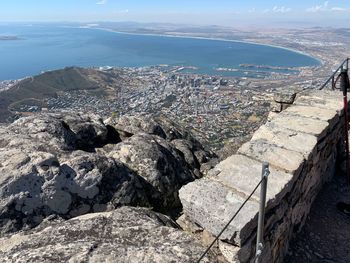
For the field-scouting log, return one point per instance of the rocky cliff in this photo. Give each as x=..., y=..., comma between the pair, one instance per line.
x=54, y=168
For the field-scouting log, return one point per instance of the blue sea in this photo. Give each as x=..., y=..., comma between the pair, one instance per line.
x=47, y=47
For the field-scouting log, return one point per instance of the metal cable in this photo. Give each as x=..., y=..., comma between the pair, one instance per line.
x=229, y=222
x=346, y=61
x=257, y=186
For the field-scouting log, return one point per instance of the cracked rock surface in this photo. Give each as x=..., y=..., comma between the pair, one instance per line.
x=127, y=234
x=68, y=165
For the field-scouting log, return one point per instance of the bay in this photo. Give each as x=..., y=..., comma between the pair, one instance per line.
x=48, y=47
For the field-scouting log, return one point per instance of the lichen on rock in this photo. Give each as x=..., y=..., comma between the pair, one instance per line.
x=71, y=164
x=127, y=234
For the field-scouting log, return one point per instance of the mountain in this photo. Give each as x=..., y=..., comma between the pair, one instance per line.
x=38, y=88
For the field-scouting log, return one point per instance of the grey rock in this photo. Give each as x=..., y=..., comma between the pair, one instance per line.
x=128, y=235
x=187, y=149
x=90, y=131
x=43, y=132
x=276, y=107
x=174, y=131
x=285, y=97
x=35, y=185
x=71, y=164
x=63, y=132
x=157, y=162
x=161, y=126
x=128, y=126
x=281, y=158
x=211, y=204
x=194, y=153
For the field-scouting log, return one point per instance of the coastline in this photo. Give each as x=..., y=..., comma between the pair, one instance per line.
x=315, y=63
x=321, y=62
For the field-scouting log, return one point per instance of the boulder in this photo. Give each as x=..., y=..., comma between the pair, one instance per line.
x=63, y=132
x=174, y=131
x=46, y=132
x=188, y=151
x=128, y=235
x=287, y=96
x=71, y=164
x=89, y=130
x=161, y=126
x=130, y=125
x=158, y=163
x=181, y=139
x=34, y=185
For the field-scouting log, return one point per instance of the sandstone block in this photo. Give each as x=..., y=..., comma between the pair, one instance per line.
x=282, y=159
x=329, y=115
x=322, y=99
x=243, y=174
x=276, y=107
x=211, y=204
x=288, y=139
x=285, y=97
x=301, y=124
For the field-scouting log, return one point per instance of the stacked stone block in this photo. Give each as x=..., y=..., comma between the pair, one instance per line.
x=282, y=100
x=302, y=145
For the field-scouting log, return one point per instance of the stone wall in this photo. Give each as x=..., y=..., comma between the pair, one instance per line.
x=302, y=144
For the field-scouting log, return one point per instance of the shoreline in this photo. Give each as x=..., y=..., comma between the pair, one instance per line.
x=321, y=62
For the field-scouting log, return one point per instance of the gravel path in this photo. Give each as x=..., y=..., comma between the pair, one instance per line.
x=326, y=234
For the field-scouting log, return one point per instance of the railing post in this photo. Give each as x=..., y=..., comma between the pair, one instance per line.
x=260, y=233
x=344, y=86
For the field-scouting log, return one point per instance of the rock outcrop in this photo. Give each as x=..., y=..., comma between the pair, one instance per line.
x=177, y=136
x=73, y=164
x=127, y=234
x=160, y=164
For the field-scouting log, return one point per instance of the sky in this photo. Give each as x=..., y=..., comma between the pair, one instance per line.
x=197, y=12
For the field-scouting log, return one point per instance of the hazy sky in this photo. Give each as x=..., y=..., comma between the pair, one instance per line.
x=220, y=12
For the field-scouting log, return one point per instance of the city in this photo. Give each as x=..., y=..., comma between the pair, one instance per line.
x=188, y=131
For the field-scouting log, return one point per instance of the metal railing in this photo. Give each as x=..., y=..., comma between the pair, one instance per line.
x=260, y=230
x=341, y=75
x=342, y=72
x=332, y=78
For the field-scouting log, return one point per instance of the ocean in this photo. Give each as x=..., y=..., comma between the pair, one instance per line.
x=48, y=47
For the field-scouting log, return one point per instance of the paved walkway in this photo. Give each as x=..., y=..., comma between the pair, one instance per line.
x=326, y=234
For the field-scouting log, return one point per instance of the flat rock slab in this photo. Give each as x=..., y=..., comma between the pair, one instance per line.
x=329, y=115
x=301, y=124
x=243, y=174
x=325, y=94
x=281, y=158
x=211, y=205
x=210, y=202
x=321, y=99
x=130, y=235
x=292, y=140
